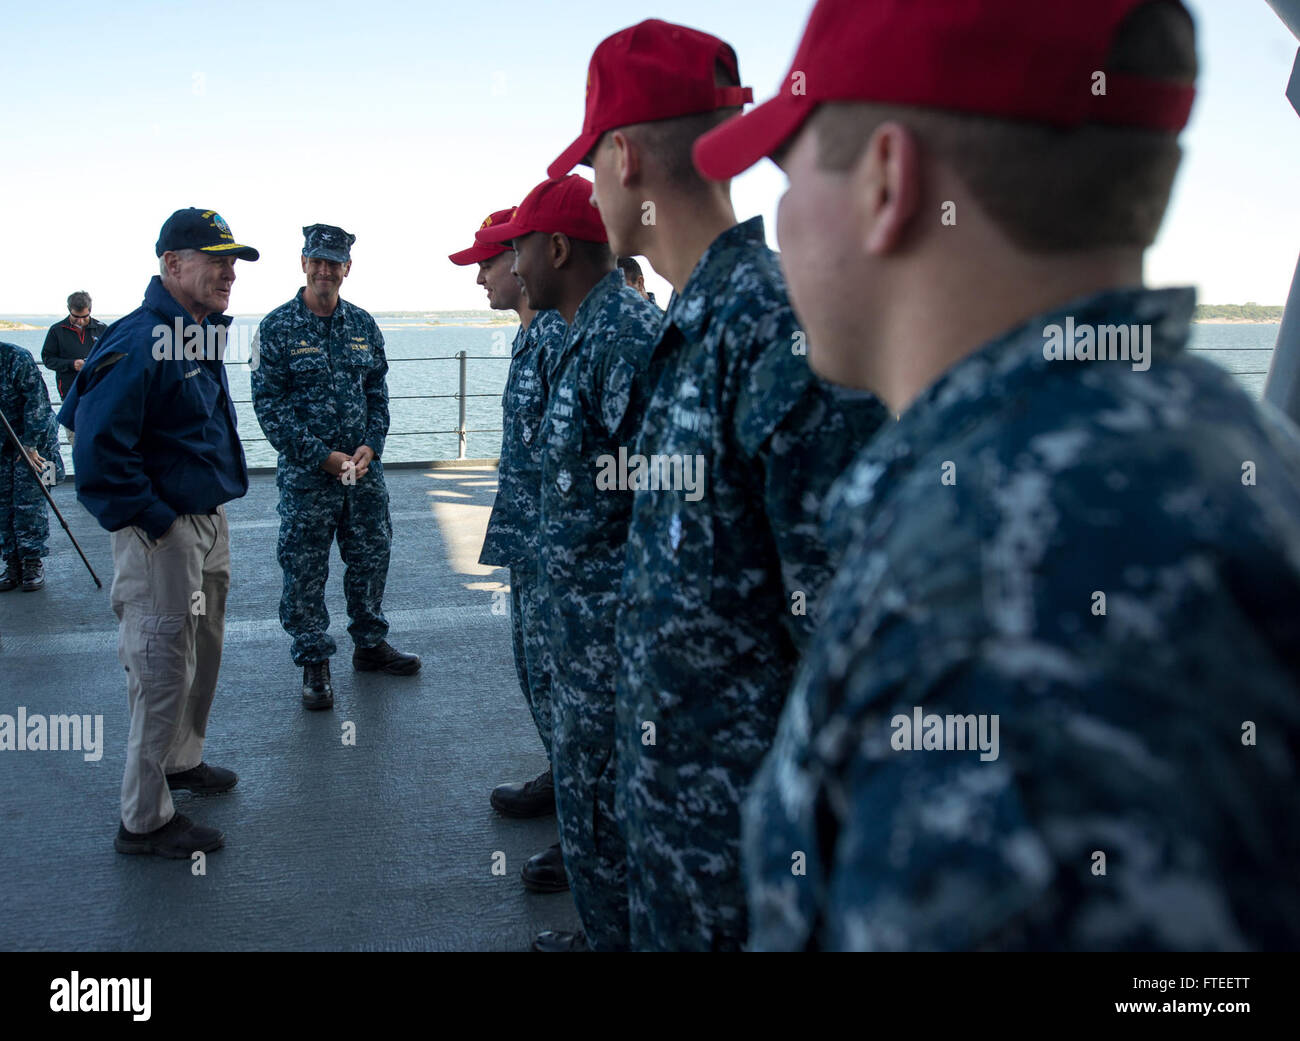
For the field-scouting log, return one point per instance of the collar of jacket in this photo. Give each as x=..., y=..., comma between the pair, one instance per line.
x=161, y=302
x=689, y=309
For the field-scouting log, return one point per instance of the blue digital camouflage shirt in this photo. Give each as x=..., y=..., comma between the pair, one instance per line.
x=593, y=414
x=511, y=539
x=319, y=386
x=26, y=403
x=1103, y=559
x=723, y=580
x=594, y=410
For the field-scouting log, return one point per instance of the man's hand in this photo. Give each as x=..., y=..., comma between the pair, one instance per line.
x=36, y=459
x=76, y=365
x=361, y=460
x=333, y=464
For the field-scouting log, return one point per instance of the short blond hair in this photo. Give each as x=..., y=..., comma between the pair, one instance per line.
x=1048, y=190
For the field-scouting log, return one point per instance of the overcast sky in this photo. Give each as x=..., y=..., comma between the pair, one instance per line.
x=406, y=123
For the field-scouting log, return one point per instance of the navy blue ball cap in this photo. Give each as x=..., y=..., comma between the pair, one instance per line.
x=204, y=230
x=326, y=242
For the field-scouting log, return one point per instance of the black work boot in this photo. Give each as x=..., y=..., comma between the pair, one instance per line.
x=384, y=657
x=535, y=798
x=177, y=839
x=544, y=872
x=203, y=780
x=317, y=690
x=12, y=576
x=33, y=574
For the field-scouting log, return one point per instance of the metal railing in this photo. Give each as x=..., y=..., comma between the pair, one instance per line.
x=462, y=395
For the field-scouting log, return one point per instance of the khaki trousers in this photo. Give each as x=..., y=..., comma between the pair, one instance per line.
x=170, y=600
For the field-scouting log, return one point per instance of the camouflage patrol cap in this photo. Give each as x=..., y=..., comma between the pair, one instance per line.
x=326, y=242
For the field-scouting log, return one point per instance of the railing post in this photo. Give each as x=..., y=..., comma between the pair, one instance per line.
x=461, y=394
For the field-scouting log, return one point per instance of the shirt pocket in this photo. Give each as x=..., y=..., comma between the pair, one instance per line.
x=523, y=433
x=559, y=446
x=199, y=395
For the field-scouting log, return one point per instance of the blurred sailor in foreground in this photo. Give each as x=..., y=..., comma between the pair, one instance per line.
x=1055, y=701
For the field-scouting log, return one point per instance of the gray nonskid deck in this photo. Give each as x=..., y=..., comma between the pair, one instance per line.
x=386, y=845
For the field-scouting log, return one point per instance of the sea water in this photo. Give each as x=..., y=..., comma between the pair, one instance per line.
x=422, y=393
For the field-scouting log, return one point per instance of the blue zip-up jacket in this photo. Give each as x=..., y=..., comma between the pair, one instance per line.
x=154, y=438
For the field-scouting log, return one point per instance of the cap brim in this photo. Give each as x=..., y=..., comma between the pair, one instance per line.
x=327, y=254
x=573, y=156
x=477, y=254
x=742, y=141
x=232, y=249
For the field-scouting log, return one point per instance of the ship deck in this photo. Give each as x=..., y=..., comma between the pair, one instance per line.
x=387, y=844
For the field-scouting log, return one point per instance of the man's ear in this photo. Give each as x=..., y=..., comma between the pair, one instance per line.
x=347, y=268
x=627, y=158
x=304, y=265
x=886, y=187
x=561, y=250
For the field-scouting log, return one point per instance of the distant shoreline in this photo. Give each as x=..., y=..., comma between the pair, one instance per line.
x=17, y=327
x=1235, y=321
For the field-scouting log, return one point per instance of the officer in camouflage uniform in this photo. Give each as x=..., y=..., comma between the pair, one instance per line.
x=24, y=520
x=1096, y=550
x=719, y=590
x=511, y=539
x=593, y=409
x=321, y=398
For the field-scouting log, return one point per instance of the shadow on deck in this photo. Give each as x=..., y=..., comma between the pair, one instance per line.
x=386, y=845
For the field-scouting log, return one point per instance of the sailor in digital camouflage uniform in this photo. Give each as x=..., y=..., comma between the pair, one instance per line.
x=1053, y=702
x=321, y=397
x=593, y=410
x=24, y=517
x=721, y=583
x=511, y=539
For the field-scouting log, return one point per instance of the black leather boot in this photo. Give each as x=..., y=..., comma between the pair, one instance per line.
x=317, y=690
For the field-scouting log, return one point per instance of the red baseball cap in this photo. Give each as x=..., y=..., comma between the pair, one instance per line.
x=652, y=70
x=1031, y=60
x=479, y=252
x=559, y=204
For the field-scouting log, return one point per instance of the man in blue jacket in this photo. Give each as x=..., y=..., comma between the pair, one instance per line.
x=157, y=457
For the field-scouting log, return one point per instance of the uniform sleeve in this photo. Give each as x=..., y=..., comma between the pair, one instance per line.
x=36, y=404
x=111, y=481
x=798, y=439
x=274, y=405
x=815, y=443
x=619, y=394
x=377, y=396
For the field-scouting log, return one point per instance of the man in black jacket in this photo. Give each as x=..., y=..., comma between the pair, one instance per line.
x=68, y=342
